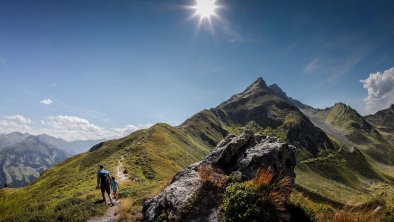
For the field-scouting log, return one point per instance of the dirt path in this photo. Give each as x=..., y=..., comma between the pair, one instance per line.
x=110, y=214
x=121, y=176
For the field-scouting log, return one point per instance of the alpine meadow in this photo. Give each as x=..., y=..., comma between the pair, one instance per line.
x=105, y=111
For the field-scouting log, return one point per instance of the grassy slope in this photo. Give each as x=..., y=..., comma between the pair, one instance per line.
x=333, y=177
x=364, y=181
x=67, y=191
x=325, y=180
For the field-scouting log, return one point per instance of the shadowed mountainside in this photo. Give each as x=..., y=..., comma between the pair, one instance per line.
x=261, y=107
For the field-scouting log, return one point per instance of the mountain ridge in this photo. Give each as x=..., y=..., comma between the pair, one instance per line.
x=261, y=105
x=23, y=162
x=153, y=156
x=71, y=147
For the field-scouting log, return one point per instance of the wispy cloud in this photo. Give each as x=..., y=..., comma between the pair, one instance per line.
x=313, y=66
x=333, y=68
x=66, y=127
x=76, y=128
x=46, y=102
x=231, y=33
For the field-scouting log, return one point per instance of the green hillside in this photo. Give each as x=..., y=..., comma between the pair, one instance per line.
x=332, y=170
x=259, y=106
x=67, y=191
x=351, y=129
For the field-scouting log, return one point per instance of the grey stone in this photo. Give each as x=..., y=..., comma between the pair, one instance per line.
x=241, y=156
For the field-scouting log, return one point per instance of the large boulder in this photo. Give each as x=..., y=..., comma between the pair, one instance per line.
x=235, y=155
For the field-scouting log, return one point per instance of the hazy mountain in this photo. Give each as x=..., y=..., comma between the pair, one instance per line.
x=24, y=156
x=331, y=173
x=70, y=147
x=73, y=147
x=23, y=162
x=12, y=138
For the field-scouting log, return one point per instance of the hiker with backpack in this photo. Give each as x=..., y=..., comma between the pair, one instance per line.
x=104, y=183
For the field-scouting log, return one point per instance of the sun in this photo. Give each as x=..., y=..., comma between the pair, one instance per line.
x=205, y=8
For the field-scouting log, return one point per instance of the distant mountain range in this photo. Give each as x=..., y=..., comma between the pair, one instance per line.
x=343, y=158
x=12, y=138
x=70, y=147
x=23, y=156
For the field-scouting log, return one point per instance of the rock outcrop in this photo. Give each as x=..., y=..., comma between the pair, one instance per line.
x=239, y=156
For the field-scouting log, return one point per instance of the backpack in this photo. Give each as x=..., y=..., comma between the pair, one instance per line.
x=104, y=177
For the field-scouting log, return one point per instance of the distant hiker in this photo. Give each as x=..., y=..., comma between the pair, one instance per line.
x=115, y=187
x=104, y=183
x=125, y=171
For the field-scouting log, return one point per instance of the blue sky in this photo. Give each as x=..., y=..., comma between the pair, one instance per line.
x=122, y=65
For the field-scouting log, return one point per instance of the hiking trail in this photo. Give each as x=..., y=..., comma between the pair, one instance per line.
x=110, y=214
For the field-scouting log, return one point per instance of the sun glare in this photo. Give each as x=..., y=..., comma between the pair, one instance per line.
x=205, y=8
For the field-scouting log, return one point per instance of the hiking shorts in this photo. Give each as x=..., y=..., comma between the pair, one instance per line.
x=105, y=188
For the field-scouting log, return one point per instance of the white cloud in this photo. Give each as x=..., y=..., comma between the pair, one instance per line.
x=75, y=128
x=10, y=124
x=46, y=101
x=19, y=119
x=66, y=127
x=380, y=88
x=126, y=130
x=144, y=126
x=131, y=128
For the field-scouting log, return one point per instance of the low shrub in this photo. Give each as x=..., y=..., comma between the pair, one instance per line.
x=263, y=198
x=342, y=216
x=210, y=175
x=124, y=209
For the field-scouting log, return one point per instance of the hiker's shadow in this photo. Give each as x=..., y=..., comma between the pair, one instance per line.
x=99, y=201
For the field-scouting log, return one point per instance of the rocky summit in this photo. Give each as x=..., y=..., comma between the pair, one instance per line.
x=235, y=156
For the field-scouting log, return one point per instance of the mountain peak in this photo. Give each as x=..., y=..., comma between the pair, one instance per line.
x=340, y=104
x=343, y=108
x=259, y=83
x=17, y=133
x=34, y=139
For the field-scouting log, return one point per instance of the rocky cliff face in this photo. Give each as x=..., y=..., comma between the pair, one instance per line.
x=239, y=157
